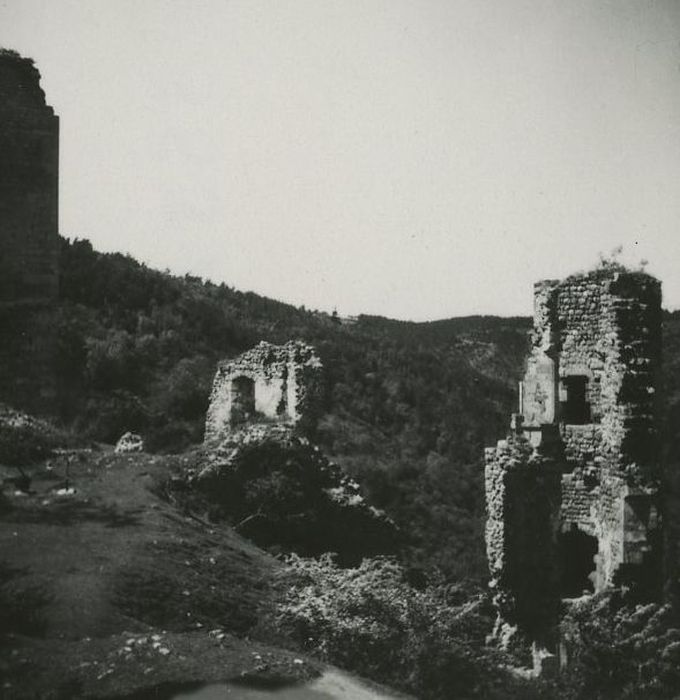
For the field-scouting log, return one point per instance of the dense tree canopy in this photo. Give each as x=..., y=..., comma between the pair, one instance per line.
x=409, y=407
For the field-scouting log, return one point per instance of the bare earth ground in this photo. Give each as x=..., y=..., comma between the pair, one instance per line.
x=111, y=592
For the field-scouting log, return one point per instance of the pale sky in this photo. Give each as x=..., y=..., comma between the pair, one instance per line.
x=419, y=159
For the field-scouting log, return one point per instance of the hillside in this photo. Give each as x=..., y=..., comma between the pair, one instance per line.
x=107, y=590
x=409, y=406
x=61, y=585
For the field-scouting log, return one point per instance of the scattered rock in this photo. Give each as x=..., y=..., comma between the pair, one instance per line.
x=130, y=442
x=70, y=491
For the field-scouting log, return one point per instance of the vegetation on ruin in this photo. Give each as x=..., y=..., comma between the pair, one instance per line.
x=620, y=649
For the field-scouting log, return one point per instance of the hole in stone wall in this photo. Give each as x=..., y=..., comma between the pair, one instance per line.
x=577, y=559
x=576, y=409
x=282, y=406
x=242, y=399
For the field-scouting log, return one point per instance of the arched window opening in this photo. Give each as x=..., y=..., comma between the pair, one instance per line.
x=242, y=399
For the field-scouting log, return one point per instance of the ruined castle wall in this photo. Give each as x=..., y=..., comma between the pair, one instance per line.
x=523, y=496
x=637, y=312
x=539, y=390
x=29, y=173
x=579, y=504
x=284, y=381
x=609, y=325
x=582, y=444
x=609, y=328
x=591, y=377
x=609, y=525
x=604, y=328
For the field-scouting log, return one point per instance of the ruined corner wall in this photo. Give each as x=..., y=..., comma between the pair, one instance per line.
x=523, y=496
x=610, y=333
x=29, y=173
x=603, y=327
x=269, y=383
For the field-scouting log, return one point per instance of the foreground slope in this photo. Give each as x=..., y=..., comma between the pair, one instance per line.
x=107, y=588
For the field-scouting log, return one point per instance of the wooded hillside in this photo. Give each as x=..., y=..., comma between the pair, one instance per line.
x=409, y=406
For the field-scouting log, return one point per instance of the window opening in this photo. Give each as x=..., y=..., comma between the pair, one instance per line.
x=575, y=409
x=242, y=399
x=577, y=559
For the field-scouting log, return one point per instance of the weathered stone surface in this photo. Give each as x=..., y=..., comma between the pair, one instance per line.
x=267, y=384
x=580, y=468
x=130, y=442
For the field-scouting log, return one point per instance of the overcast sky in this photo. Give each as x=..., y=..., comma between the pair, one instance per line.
x=419, y=159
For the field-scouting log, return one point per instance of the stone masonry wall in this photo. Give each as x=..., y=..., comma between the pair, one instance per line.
x=591, y=380
x=279, y=384
x=523, y=496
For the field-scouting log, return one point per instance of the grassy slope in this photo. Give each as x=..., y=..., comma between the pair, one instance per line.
x=82, y=575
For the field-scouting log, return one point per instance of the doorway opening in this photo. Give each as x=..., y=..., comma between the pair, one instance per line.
x=242, y=399
x=577, y=559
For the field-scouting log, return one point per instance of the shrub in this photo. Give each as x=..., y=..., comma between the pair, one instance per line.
x=620, y=651
x=25, y=440
x=281, y=492
x=370, y=620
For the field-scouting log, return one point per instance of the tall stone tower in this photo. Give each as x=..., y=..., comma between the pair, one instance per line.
x=572, y=494
x=29, y=175
x=29, y=241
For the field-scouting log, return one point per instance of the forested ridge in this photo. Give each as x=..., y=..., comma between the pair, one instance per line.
x=409, y=406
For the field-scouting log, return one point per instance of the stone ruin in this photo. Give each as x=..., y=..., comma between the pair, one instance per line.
x=261, y=470
x=268, y=384
x=572, y=493
x=29, y=240
x=29, y=177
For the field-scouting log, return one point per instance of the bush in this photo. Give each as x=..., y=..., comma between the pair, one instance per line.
x=281, y=492
x=370, y=620
x=620, y=651
x=25, y=440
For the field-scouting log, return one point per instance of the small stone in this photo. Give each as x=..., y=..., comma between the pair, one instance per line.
x=130, y=442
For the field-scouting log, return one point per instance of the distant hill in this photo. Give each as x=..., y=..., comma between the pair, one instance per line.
x=409, y=406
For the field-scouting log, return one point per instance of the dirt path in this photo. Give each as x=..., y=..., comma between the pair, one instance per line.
x=331, y=685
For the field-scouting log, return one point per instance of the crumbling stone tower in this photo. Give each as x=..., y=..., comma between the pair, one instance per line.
x=29, y=173
x=29, y=242
x=572, y=494
x=268, y=384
